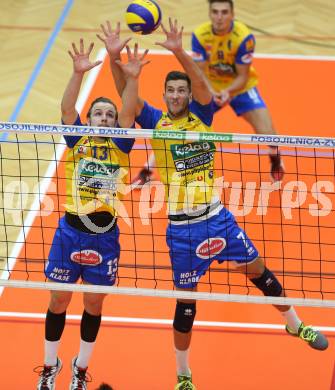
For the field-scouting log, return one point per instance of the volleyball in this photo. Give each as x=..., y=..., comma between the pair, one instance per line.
x=143, y=16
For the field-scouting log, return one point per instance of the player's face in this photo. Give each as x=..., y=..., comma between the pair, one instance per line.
x=102, y=115
x=177, y=97
x=221, y=15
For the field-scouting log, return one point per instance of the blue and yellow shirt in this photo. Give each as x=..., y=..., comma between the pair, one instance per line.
x=95, y=171
x=222, y=52
x=186, y=167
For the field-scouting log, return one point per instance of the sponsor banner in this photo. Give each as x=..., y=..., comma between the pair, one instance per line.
x=171, y=134
x=291, y=141
x=216, y=137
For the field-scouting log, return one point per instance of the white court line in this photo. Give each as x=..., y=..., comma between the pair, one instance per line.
x=257, y=55
x=49, y=175
x=160, y=321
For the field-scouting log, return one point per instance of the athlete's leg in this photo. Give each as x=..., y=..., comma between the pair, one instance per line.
x=54, y=325
x=252, y=108
x=182, y=332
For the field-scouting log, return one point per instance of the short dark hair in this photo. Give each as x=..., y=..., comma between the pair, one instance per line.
x=103, y=100
x=176, y=75
x=230, y=2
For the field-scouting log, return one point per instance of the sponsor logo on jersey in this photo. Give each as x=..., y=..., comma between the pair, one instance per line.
x=92, y=168
x=197, y=56
x=86, y=257
x=82, y=149
x=247, y=58
x=210, y=248
x=250, y=44
x=166, y=124
x=191, y=149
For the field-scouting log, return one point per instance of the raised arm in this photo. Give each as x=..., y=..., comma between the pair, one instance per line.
x=130, y=72
x=81, y=64
x=114, y=46
x=200, y=89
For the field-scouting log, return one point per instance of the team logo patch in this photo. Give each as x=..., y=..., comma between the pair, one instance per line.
x=86, y=257
x=247, y=58
x=210, y=247
x=197, y=56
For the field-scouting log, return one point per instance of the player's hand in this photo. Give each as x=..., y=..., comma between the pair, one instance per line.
x=174, y=40
x=221, y=98
x=80, y=58
x=111, y=39
x=135, y=62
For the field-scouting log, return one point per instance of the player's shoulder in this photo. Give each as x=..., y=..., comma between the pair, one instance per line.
x=240, y=30
x=203, y=31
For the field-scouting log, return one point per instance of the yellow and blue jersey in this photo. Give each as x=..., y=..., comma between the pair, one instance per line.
x=95, y=171
x=221, y=53
x=186, y=167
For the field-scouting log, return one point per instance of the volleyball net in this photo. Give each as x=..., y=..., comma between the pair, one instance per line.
x=290, y=223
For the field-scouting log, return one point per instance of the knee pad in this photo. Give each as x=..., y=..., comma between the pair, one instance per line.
x=268, y=284
x=184, y=316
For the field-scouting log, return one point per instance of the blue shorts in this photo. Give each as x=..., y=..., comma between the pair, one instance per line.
x=245, y=102
x=193, y=247
x=75, y=254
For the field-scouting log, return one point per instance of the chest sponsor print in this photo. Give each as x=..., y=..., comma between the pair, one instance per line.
x=192, y=155
x=97, y=175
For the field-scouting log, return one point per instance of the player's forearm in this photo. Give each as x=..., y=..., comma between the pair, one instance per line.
x=71, y=93
x=237, y=85
x=118, y=76
x=129, y=102
x=199, y=83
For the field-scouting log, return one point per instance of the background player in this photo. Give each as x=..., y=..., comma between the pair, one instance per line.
x=86, y=242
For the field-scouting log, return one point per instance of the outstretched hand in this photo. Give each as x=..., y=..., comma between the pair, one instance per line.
x=111, y=39
x=174, y=37
x=81, y=60
x=135, y=62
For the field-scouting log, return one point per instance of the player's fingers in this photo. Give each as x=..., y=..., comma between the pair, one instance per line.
x=103, y=28
x=71, y=55
x=109, y=26
x=163, y=28
x=74, y=47
x=90, y=48
x=118, y=28
x=100, y=37
x=125, y=42
x=81, y=45
x=128, y=52
x=171, y=24
x=146, y=51
x=136, y=50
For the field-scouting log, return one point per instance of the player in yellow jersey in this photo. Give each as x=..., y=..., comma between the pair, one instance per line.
x=200, y=229
x=223, y=49
x=86, y=242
